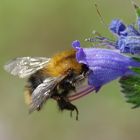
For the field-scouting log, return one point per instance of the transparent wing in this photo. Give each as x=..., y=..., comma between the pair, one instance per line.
x=43, y=92
x=25, y=66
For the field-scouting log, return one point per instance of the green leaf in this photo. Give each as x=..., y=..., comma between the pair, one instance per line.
x=131, y=89
x=131, y=86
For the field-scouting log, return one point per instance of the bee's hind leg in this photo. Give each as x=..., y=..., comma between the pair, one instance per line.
x=77, y=112
x=66, y=105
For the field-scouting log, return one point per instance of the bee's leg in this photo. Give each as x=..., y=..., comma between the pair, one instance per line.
x=66, y=105
x=77, y=113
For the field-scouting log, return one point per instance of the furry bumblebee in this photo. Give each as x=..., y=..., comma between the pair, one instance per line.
x=60, y=78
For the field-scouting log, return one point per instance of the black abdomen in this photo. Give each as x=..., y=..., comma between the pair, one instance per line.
x=35, y=80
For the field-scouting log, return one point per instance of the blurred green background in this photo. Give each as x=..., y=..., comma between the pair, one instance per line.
x=42, y=28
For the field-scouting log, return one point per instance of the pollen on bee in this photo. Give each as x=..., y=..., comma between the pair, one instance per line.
x=61, y=63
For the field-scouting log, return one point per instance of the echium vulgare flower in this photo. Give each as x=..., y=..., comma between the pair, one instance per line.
x=106, y=65
x=127, y=36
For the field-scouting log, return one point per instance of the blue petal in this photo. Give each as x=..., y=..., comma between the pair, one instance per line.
x=76, y=44
x=129, y=44
x=100, y=76
x=131, y=31
x=117, y=26
x=81, y=57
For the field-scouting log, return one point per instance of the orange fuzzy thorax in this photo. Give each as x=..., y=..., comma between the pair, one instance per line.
x=61, y=63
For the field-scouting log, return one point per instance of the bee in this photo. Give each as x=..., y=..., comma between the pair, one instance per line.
x=60, y=78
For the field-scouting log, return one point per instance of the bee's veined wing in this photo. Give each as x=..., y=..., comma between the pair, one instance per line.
x=25, y=66
x=43, y=92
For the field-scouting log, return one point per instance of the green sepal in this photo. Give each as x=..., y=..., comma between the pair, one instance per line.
x=136, y=59
x=136, y=70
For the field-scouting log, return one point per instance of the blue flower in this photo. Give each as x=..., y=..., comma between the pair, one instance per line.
x=127, y=37
x=104, y=65
x=117, y=27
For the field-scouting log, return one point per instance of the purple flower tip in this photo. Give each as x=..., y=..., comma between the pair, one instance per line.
x=76, y=44
x=117, y=26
